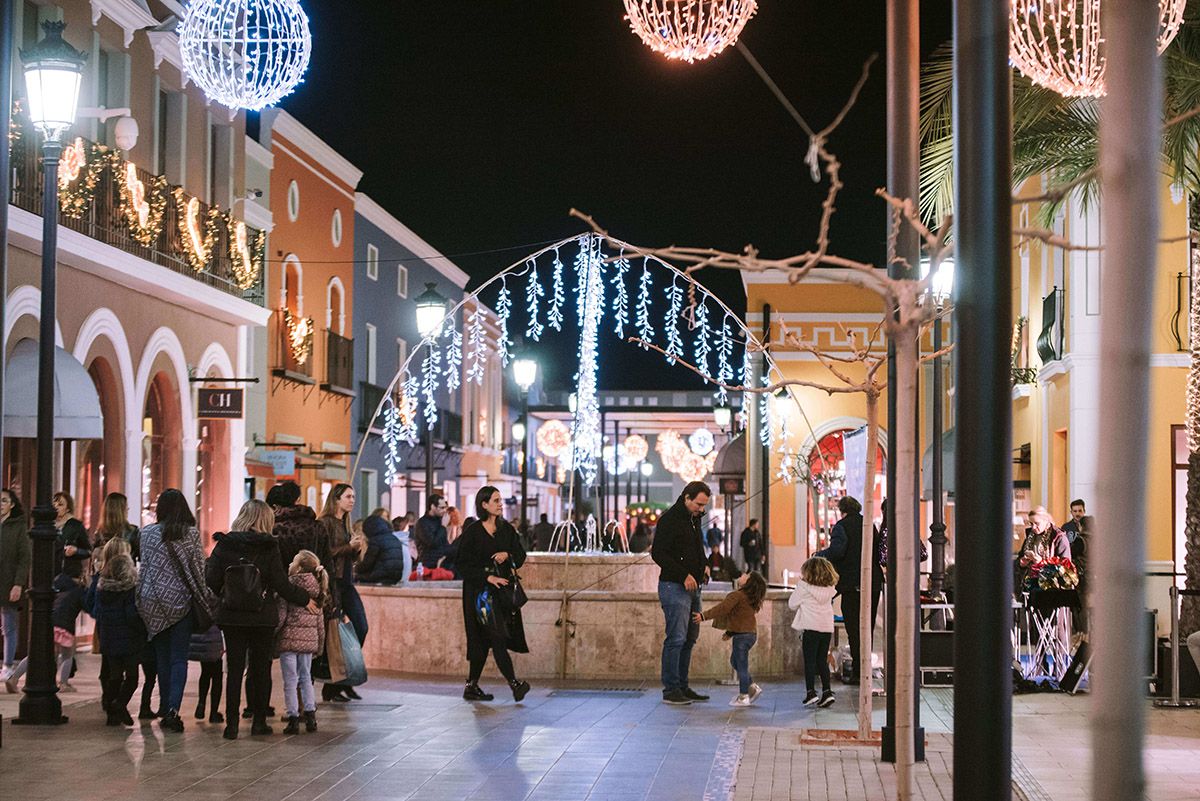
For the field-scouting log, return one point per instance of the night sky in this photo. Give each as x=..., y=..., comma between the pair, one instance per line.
x=481, y=123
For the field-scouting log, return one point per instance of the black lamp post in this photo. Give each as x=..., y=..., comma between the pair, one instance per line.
x=53, y=71
x=940, y=289
x=525, y=374
x=431, y=313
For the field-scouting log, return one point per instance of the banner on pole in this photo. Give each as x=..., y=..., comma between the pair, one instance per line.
x=854, y=447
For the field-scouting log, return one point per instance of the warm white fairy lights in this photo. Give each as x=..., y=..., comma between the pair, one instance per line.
x=689, y=30
x=245, y=53
x=586, y=437
x=636, y=447
x=1058, y=43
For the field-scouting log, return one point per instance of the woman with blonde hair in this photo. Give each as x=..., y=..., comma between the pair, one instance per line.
x=114, y=523
x=344, y=551
x=246, y=573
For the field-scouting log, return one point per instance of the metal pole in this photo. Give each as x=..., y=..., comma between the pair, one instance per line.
x=903, y=161
x=629, y=490
x=40, y=704
x=616, y=476
x=937, y=529
x=1130, y=148
x=523, y=516
x=983, y=478
x=766, y=457
x=7, y=31
x=428, y=466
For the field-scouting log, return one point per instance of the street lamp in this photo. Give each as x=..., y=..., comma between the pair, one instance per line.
x=53, y=71
x=940, y=288
x=524, y=373
x=431, y=313
x=518, y=430
x=723, y=415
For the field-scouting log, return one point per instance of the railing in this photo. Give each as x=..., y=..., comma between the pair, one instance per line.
x=292, y=346
x=339, y=363
x=1183, y=311
x=100, y=211
x=1050, y=341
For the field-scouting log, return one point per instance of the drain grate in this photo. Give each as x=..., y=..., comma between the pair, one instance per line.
x=599, y=692
x=1025, y=786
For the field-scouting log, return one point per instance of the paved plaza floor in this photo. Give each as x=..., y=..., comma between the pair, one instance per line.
x=413, y=738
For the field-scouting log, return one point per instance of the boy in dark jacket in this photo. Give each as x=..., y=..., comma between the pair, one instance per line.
x=383, y=563
x=120, y=632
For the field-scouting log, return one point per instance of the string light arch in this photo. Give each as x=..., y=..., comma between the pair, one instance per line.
x=1058, y=44
x=689, y=30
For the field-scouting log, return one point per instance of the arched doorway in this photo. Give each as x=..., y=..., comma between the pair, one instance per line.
x=100, y=463
x=162, y=443
x=827, y=484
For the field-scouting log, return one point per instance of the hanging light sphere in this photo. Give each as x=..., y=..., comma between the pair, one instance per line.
x=701, y=442
x=636, y=447
x=245, y=53
x=553, y=438
x=693, y=467
x=689, y=30
x=1058, y=43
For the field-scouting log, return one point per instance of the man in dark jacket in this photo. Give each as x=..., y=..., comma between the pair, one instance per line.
x=543, y=532
x=751, y=543
x=679, y=551
x=383, y=563
x=845, y=552
x=433, y=546
x=296, y=527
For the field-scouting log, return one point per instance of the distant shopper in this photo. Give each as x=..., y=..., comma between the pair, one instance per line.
x=678, y=550
x=383, y=563
x=345, y=601
x=68, y=603
x=543, y=532
x=721, y=567
x=845, y=553
x=1076, y=531
x=16, y=555
x=751, y=543
x=813, y=601
x=208, y=648
x=301, y=637
x=489, y=555
x=120, y=633
x=73, y=548
x=170, y=581
x=736, y=615
x=246, y=574
x=714, y=536
x=114, y=522
x=296, y=527
x=642, y=536
x=433, y=545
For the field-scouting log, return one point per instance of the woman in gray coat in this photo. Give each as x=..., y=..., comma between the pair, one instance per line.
x=171, y=579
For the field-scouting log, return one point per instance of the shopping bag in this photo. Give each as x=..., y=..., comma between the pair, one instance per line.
x=330, y=667
x=353, y=666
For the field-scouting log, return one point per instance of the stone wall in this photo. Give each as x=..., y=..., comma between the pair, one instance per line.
x=624, y=572
x=610, y=635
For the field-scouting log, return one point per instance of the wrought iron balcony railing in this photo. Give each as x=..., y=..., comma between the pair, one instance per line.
x=339, y=364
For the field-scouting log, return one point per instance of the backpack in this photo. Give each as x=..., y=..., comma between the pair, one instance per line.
x=243, y=590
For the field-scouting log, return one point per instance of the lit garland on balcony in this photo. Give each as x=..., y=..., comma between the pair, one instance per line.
x=79, y=171
x=143, y=207
x=689, y=30
x=246, y=250
x=300, y=336
x=199, y=230
x=1058, y=44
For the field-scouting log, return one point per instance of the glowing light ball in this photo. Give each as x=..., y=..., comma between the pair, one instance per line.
x=553, y=437
x=689, y=30
x=245, y=53
x=702, y=442
x=693, y=467
x=636, y=447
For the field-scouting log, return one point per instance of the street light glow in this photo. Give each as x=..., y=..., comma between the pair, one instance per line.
x=524, y=372
x=53, y=72
x=431, y=311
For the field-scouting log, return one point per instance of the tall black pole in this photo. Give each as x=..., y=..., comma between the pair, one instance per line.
x=765, y=453
x=7, y=25
x=983, y=474
x=903, y=164
x=937, y=529
x=40, y=704
x=524, y=516
x=428, y=466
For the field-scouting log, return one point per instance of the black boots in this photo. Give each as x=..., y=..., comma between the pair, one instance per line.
x=293, y=726
x=519, y=689
x=310, y=721
x=472, y=693
x=260, y=727
x=172, y=722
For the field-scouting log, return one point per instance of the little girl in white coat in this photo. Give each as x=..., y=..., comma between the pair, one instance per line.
x=813, y=601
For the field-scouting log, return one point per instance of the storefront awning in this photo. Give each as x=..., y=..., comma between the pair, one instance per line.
x=947, y=466
x=76, y=404
x=731, y=459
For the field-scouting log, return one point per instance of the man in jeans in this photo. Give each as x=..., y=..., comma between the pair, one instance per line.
x=679, y=551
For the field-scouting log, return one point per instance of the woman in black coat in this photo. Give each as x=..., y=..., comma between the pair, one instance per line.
x=489, y=552
x=246, y=610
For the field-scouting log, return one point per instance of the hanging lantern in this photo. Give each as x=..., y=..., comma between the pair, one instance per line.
x=245, y=53
x=1058, y=44
x=553, y=437
x=689, y=30
x=636, y=448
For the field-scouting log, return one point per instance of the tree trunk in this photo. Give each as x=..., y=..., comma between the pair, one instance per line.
x=867, y=555
x=1190, y=619
x=904, y=540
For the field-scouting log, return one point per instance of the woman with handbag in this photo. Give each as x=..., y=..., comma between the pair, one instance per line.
x=344, y=550
x=247, y=574
x=172, y=597
x=489, y=553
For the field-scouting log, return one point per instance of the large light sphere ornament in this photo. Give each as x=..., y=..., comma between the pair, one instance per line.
x=245, y=53
x=636, y=447
x=702, y=442
x=693, y=467
x=553, y=438
x=1058, y=44
x=689, y=30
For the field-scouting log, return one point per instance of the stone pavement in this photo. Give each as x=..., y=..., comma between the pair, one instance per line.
x=413, y=738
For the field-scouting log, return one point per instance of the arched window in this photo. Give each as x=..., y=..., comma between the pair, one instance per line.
x=291, y=287
x=335, y=306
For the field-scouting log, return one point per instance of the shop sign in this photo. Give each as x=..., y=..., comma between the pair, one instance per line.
x=283, y=463
x=220, y=404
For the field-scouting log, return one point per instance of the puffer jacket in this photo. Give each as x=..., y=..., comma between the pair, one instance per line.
x=16, y=554
x=383, y=563
x=119, y=628
x=301, y=631
x=814, y=607
x=263, y=552
x=207, y=646
x=68, y=602
x=296, y=529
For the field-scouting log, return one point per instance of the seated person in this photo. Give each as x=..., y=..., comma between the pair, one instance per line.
x=434, y=548
x=721, y=567
x=383, y=562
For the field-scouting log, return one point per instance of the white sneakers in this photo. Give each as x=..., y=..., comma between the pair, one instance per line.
x=755, y=691
x=749, y=698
